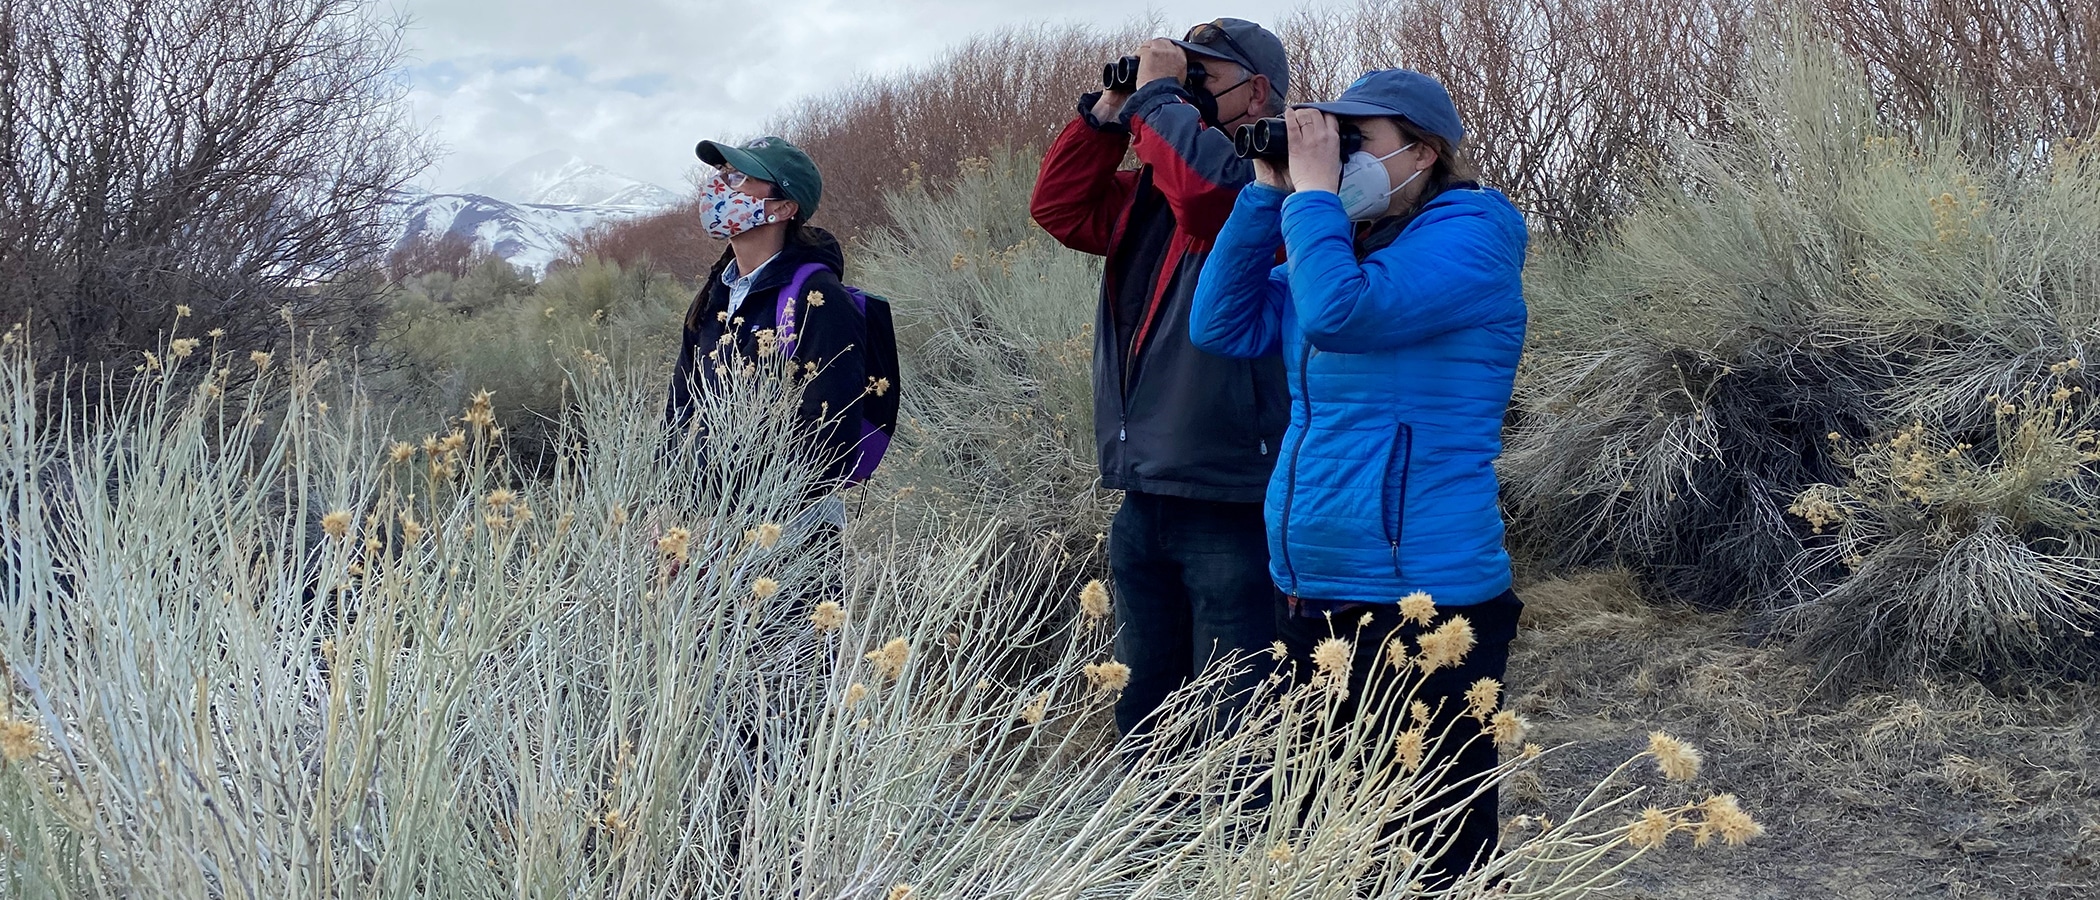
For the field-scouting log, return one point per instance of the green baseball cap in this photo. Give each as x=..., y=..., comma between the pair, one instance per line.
x=771, y=159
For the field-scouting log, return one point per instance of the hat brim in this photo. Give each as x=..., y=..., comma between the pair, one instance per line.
x=1352, y=108
x=1209, y=52
x=715, y=153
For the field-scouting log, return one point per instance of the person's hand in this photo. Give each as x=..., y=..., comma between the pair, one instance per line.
x=1275, y=174
x=1161, y=58
x=1316, y=150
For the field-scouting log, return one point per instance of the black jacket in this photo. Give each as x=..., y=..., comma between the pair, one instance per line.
x=1168, y=418
x=830, y=334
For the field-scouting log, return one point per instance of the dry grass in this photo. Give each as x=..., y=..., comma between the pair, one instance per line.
x=1930, y=789
x=260, y=646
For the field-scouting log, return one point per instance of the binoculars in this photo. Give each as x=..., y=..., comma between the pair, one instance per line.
x=1267, y=139
x=1121, y=76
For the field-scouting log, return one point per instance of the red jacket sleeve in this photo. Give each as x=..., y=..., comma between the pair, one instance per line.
x=1079, y=195
x=1193, y=164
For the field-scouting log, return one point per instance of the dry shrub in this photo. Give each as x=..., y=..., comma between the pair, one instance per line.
x=424, y=253
x=1002, y=92
x=497, y=330
x=227, y=162
x=1937, y=555
x=1829, y=271
x=2023, y=69
x=995, y=330
x=638, y=677
x=1568, y=104
x=673, y=242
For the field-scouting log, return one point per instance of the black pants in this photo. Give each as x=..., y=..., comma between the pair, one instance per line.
x=1192, y=584
x=1494, y=626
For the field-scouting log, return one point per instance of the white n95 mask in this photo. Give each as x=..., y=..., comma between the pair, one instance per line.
x=1366, y=190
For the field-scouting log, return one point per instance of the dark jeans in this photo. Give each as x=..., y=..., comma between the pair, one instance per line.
x=1192, y=585
x=1494, y=626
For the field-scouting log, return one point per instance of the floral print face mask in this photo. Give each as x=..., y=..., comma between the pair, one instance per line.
x=727, y=212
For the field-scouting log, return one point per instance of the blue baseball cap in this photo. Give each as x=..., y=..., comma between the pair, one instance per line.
x=1406, y=93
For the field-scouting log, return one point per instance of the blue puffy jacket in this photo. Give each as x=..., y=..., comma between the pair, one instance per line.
x=1400, y=367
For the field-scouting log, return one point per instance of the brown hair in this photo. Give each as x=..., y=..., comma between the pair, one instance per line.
x=1450, y=167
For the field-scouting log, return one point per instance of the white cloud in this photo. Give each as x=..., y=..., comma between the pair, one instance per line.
x=632, y=84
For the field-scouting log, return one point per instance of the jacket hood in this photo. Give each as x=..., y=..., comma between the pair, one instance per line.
x=816, y=246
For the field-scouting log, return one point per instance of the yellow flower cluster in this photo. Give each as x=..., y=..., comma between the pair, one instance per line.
x=1418, y=608
x=1411, y=745
x=1508, y=729
x=829, y=616
x=1955, y=217
x=1093, y=600
x=19, y=740
x=1678, y=760
x=1720, y=816
x=1109, y=676
x=1036, y=709
x=675, y=544
x=1482, y=698
x=481, y=412
x=891, y=658
x=1447, y=646
x=336, y=523
x=1819, y=506
x=1331, y=660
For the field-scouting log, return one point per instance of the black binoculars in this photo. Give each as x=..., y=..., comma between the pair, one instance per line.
x=1267, y=139
x=1121, y=75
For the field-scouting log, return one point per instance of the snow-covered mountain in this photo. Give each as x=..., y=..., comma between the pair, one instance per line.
x=561, y=179
x=528, y=213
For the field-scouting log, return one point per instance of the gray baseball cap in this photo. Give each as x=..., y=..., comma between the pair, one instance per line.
x=1243, y=42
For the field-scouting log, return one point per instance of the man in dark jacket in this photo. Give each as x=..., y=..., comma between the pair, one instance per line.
x=1189, y=437
x=760, y=201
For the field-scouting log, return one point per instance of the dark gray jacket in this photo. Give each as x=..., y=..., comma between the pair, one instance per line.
x=1168, y=418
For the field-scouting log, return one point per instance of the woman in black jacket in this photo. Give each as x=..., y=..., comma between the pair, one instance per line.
x=760, y=201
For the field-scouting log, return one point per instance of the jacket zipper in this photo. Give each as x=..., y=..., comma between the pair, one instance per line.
x=1407, y=452
x=1290, y=482
x=1110, y=287
x=1254, y=380
x=1125, y=352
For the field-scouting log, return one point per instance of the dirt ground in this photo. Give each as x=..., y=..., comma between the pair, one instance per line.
x=1942, y=789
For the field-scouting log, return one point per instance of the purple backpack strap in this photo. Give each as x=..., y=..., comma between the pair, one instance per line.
x=784, y=306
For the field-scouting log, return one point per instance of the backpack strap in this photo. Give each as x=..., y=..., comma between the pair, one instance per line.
x=784, y=305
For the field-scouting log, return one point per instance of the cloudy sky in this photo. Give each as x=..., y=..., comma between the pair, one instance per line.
x=632, y=84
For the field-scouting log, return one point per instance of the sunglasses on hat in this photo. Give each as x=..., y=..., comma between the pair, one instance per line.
x=1210, y=33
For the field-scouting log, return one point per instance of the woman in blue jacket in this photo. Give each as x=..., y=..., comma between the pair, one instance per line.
x=1400, y=318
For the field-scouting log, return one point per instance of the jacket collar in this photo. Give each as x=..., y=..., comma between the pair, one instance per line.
x=1381, y=233
x=817, y=246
